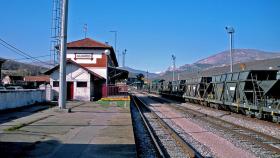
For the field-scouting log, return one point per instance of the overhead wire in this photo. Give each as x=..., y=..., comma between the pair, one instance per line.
x=20, y=52
x=26, y=58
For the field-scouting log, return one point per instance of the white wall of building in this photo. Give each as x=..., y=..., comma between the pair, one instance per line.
x=6, y=80
x=94, y=54
x=83, y=56
x=100, y=71
x=18, y=98
x=74, y=74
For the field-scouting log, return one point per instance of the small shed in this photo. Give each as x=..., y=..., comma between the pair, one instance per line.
x=82, y=83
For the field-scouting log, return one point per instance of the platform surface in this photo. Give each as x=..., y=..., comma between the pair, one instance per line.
x=90, y=130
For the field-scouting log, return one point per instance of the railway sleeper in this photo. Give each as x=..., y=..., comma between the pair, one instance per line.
x=249, y=113
x=276, y=119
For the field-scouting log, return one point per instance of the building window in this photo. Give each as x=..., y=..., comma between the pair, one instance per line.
x=55, y=84
x=81, y=84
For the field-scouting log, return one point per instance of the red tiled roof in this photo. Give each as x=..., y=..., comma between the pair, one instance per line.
x=44, y=78
x=69, y=61
x=87, y=43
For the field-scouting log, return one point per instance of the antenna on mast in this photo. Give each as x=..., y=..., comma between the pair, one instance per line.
x=85, y=30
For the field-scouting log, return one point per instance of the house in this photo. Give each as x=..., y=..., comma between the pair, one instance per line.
x=36, y=81
x=11, y=79
x=1, y=62
x=91, y=66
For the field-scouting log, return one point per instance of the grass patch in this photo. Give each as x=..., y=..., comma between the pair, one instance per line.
x=18, y=126
x=118, y=103
x=15, y=127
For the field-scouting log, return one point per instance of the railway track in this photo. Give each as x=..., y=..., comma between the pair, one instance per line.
x=166, y=140
x=260, y=143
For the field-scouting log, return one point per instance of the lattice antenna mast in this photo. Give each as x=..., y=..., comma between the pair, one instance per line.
x=173, y=66
x=55, y=31
x=124, y=53
x=85, y=30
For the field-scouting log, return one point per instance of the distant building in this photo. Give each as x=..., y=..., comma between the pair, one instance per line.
x=132, y=78
x=1, y=62
x=36, y=81
x=10, y=79
x=88, y=70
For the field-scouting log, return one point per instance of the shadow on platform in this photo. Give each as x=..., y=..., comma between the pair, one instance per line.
x=53, y=148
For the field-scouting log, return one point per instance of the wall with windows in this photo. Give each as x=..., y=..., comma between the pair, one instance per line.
x=94, y=60
x=80, y=79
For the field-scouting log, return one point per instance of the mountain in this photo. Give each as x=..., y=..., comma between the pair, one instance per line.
x=239, y=56
x=134, y=72
x=11, y=67
x=220, y=62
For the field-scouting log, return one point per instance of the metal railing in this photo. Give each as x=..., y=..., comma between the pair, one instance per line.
x=117, y=90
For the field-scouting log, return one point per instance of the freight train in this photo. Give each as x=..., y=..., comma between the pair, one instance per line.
x=255, y=93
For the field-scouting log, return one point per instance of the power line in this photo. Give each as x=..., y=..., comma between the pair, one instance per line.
x=20, y=52
x=42, y=56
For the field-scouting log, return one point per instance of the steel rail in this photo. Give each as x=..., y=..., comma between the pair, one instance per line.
x=148, y=127
x=185, y=146
x=264, y=141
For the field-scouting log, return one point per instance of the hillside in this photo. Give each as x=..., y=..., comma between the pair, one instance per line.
x=219, y=63
x=11, y=67
x=134, y=72
x=239, y=55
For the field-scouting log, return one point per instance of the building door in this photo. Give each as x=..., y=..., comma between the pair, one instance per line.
x=70, y=90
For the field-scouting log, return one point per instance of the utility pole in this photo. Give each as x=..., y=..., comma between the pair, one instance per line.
x=148, y=81
x=116, y=50
x=230, y=31
x=116, y=35
x=63, y=48
x=85, y=30
x=124, y=53
x=173, y=63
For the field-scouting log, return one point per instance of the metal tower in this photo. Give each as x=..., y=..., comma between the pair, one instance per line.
x=124, y=53
x=173, y=66
x=55, y=31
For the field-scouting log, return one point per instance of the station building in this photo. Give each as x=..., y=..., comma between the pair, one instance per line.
x=91, y=66
x=1, y=62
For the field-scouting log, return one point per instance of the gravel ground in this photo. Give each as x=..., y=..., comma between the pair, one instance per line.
x=265, y=127
x=144, y=144
x=209, y=138
x=166, y=140
x=235, y=139
x=204, y=149
x=261, y=126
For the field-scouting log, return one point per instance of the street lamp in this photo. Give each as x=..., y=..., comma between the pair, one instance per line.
x=107, y=53
x=116, y=34
x=173, y=62
x=230, y=31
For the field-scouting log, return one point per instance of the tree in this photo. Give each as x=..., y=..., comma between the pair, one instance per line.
x=140, y=78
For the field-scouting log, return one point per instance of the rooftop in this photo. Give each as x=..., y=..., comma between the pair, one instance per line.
x=87, y=43
x=42, y=78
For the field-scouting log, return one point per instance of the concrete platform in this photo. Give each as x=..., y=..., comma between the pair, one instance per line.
x=90, y=130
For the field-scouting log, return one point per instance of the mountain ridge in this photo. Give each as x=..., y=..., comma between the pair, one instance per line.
x=222, y=59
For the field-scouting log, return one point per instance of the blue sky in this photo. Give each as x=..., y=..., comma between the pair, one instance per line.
x=151, y=30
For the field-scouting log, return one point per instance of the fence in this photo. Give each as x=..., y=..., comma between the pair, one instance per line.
x=18, y=98
x=117, y=90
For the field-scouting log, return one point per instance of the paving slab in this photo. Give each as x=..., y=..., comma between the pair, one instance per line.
x=90, y=130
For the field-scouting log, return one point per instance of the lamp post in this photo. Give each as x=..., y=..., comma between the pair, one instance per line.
x=173, y=62
x=63, y=47
x=116, y=35
x=107, y=53
x=124, y=53
x=230, y=31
